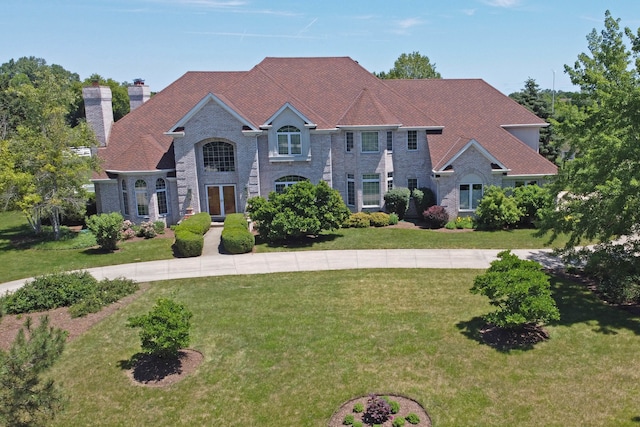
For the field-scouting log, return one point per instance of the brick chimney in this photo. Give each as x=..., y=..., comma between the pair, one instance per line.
x=139, y=93
x=98, y=110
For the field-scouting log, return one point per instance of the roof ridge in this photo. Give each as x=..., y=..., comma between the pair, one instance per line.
x=381, y=110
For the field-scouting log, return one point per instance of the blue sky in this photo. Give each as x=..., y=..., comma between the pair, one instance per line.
x=501, y=41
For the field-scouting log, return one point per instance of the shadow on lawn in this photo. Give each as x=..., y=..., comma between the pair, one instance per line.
x=577, y=304
x=302, y=242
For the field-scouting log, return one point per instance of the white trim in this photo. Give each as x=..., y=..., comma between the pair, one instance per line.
x=526, y=125
x=369, y=127
x=146, y=172
x=307, y=122
x=483, y=151
x=200, y=105
x=175, y=134
x=421, y=128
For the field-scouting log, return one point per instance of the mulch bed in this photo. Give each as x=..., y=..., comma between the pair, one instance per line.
x=152, y=371
x=407, y=406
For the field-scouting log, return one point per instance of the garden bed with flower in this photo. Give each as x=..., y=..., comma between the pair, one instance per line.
x=384, y=410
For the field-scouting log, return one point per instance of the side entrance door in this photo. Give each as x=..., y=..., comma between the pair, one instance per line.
x=222, y=199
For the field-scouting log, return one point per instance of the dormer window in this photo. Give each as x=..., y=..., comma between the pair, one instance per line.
x=289, y=141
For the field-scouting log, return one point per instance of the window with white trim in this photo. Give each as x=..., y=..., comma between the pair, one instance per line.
x=389, y=141
x=349, y=142
x=525, y=183
x=125, y=198
x=351, y=189
x=389, y=181
x=412, y=140
x=289, y=141
x=161, y=196
x=369, y=142
x=142, y=202
x=218, y=156
x=470, y=196
x=287, y=181
x=370, y=190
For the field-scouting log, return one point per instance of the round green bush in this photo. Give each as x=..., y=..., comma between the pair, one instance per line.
x=358, y=220
x=379, y=219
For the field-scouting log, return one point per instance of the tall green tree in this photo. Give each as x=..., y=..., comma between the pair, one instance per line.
x=601, y=186
x=14, y=110
x=411, y=66
x=532, y=98
x=42, y=152
x=25, y=398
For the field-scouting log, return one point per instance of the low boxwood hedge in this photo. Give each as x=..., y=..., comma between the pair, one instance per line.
x=189, y=235
x=236, y=237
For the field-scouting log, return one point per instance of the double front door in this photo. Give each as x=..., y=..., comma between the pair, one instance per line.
x=222, y=199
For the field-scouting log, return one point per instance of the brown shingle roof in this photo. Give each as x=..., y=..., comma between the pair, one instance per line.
x=473, y=109
x=331, y=92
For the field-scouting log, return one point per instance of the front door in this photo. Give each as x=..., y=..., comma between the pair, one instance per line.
x=222, y=199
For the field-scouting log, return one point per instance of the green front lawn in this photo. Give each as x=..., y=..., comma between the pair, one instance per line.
x=21, y=255
x=289, y=349
x=404, y=238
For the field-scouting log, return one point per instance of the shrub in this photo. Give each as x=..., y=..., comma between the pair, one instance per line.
x=159, y=227
x=50, y=291
x=107, y=291
x=348, y=420
x=397, y=201
x=520, y=290
x=496, y=210
x=358, y=220
x=436, y=217
x=412, y=418
x=358, y=424
x=531, y=200
x=147, y=230
x=451, y=225
x=378, y=410
x=25, y=398
x=127, y=232
x=106, y=228
x=463, y=222
x=395, y=406
x=358, y=408
x=236, y=237
x=188, y=244
x=616, y=271
x=379, y=219
x=424, y=198
x=393, y=218
x=188, y=234
x=165, y=329
x=302, y=209
x=398, y=422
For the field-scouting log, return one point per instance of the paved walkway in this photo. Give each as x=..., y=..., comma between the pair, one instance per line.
x=215, y=263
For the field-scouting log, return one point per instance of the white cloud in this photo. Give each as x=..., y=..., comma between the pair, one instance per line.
x=469, y=12
x=503, y=3
x=408, y=23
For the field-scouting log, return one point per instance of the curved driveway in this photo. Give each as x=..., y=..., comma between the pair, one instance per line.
x=214, y=263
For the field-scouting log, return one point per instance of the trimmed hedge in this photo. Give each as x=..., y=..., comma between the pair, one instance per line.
x=189, y=235
x=236, y=237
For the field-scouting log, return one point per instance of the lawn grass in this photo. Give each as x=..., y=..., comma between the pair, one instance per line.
x=289, y=349
x=405, y=238
x=34, y=256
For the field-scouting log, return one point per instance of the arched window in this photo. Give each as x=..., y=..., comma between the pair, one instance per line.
x=125, y=198
x=142, y=202
x=218, y=156
x=161, y=196
x=289, y=141
x=288, y=181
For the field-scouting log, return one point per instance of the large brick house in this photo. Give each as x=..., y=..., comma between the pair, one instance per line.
x=211, y=140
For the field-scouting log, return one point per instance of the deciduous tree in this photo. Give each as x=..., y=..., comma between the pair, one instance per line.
x=601, y=186
x=411, y=66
